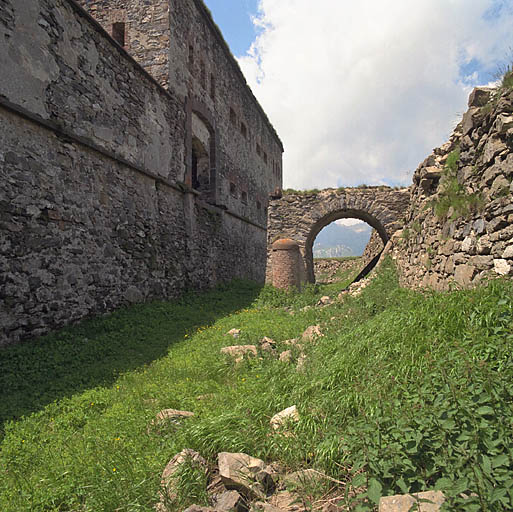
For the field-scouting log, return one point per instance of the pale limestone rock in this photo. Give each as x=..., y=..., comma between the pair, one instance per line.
x=464, y=274
x=404, y=503
x=502, y=267
x=508, y=252
x=245, y=474
x=324, y=301
x=238, y=352
x=173, y=465
x=301, y=361
x=312, y=332
x=284, y=417
x=286, y=356
x=468, y=244
x=234, y=332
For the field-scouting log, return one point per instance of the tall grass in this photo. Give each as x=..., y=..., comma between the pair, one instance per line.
x=404, y=392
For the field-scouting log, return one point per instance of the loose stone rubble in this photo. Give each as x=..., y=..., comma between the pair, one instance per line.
x=429, y=501
x=239, y=352
x=280, y=420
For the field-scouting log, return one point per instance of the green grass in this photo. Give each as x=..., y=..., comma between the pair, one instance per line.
x=405, y=392
x=453, y=195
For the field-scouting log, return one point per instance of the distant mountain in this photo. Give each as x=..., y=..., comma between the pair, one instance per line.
x=336, y=240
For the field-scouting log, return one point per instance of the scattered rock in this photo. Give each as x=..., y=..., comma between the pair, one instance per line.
x=197, y=508
x=230, y=501
x=311, y=333
x=301, y=361
x=238, y=352
x=168, y=416
x=404, y=503
x=293, y=342
x=267, y=344
x=167, y=482
x=245, y=474
x=324, y=301
x=287, y=416
x=234, y=332
x=286, y=356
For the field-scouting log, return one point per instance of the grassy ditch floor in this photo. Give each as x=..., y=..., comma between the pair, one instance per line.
x=404, y=392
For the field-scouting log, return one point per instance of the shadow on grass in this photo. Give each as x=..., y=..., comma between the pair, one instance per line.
x=96, y=351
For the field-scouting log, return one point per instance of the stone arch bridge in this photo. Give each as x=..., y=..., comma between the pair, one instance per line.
x=301, y=217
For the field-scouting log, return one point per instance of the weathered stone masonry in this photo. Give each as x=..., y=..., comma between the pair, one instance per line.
x=301, y=217
x=95, y=156
x=471, y=239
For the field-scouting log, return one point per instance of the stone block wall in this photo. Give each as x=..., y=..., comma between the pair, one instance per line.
x=178, y=43
x=459, y=228
x=301, y=216
x=94, y=213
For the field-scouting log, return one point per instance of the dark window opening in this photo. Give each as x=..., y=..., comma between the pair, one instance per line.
x=265, y=157
x=244, y=197
x=258, y=149
x=259, y=205
x=212, y=86
x=191, y=57
x=203, y=75
x=243, y=130
x=233, y=117
x=118, y=33
x=200, y=166
x=233, y=190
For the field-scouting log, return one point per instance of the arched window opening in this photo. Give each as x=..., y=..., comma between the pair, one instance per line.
x=202, y=158
x=200, y=166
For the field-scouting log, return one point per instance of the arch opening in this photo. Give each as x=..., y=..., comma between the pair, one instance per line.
x=202, y=155
x=326, y=221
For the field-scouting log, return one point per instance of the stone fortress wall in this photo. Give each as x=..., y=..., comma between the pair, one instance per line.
x=459, y=227
x=116, y=189
x=301, y=216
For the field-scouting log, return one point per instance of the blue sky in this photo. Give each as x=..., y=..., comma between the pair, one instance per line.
x=234, y=19
x=361, y=92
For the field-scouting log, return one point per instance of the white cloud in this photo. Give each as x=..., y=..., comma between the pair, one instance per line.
x=360, y=92
x=349, y=222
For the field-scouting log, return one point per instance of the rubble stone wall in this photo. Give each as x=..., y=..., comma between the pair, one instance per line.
x=179, y=44
x=301, y=217
x=94, y=213
x=459, y=228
